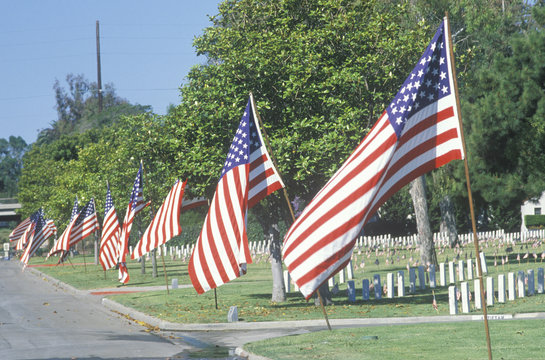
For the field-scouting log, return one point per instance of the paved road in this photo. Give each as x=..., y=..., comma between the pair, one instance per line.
x=41, y=320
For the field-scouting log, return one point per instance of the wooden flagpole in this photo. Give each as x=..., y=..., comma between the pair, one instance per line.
x=269, y=149
x=470, y=197
x=152, y=214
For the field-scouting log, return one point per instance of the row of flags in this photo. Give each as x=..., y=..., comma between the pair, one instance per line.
x=418, y=132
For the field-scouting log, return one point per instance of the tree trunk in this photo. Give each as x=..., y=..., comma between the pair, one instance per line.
x=279, y=289
x=425, y=236
x=269, y=225
x=448, y=220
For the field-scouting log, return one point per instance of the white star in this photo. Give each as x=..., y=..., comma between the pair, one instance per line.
x=237, y=159
x=433, y=46
x=406, y=98
x=430, y=97
x=441, y=60
x=399, y=121
x=444, y=89
x=422, y=94
x=245, y=157
x=416, y=105
x=402, y=90
x=410, y=86
x=434, y=71
x=428, y=83
x=413, y=96
x=402, y=110
x=394, y=110
x=423, y=61
x=417, y=84
x=443, y=75
x=420, y=73
x=412, y=75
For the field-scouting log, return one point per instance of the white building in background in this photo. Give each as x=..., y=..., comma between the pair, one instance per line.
x=532, y=207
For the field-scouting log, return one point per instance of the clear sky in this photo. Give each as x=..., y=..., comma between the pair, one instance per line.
x=146, y=52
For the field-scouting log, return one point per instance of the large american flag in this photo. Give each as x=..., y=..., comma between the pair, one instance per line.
x=23, y=233
x=43, y=229
x=166, y=223
x=419, y=131
x=63, y=243
x=136, y=204
x=248, y=175
x=110, y=234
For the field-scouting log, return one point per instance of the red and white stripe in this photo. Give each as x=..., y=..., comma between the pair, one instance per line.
x=109, y=240
x=222, y=251
x=166, y=223
x=20, y=230
x=37, y=240
x=188, y=204
x=321, y=240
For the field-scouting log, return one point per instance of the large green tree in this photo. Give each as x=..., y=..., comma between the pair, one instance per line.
x=11, y=161
x=321, y=72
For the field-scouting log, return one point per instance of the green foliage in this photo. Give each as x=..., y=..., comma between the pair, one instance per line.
x=11, y=162
x=534, y=221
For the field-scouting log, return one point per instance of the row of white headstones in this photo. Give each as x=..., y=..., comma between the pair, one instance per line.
x=518, y=285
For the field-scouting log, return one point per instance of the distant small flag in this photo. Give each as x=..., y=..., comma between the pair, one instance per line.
x=136, y=204
x=110, y=234
x=166, y=223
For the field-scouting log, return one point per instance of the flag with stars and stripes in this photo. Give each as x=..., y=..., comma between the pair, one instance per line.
x=248, y=175
x=19, y=230
x=110, y=234
x=136, y=204
x=63, y=243
x=43, y=229
x=165, y=224
x=418, y=132
x=85, y=223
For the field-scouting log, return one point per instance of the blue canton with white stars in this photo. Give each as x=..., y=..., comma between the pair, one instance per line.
x=109, y=202
x=38, y=219
x=428, y=82
x=245, y=142
x=136, y=195
x=87, y=211
x=74, y=209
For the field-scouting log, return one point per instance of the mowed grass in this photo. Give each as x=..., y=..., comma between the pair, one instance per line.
x=251, y=293
x=514, y=339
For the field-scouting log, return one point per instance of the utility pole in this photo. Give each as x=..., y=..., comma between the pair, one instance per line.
x=99, y=78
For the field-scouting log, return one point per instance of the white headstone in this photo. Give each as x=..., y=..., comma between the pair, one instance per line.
x=412, y=280
x=511, y=286
x=442, y=275
x=350, y=271
x=331, y=281
x=232, y=315
x=465, y=296
x=451, y=273
x=422, y=277
x=287, y=281
x=520, y=284
x=483, y=263
x=461, y=270
x=531, y=284
x=452, y=302
x=489, y=291
x=390, y=285
x=477, y=292
x=470, y=269
x=400, y=283
x=433, y=282
x=174, y=283
x=540, y=281
x=341, y=277
x=501, y=288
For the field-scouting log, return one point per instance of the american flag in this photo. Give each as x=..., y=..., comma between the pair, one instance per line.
x=188, y=204
x=419, y=131
x=19, y=230
x=85, y=224
x=63, y=243
x=166, y=223
x=25, y=232
x=136, y=204
x=248, y=175
x=110, y=234
x=42, y=231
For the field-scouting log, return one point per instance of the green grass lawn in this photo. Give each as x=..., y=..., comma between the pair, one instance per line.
x=516, y=339
x=252, y=292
